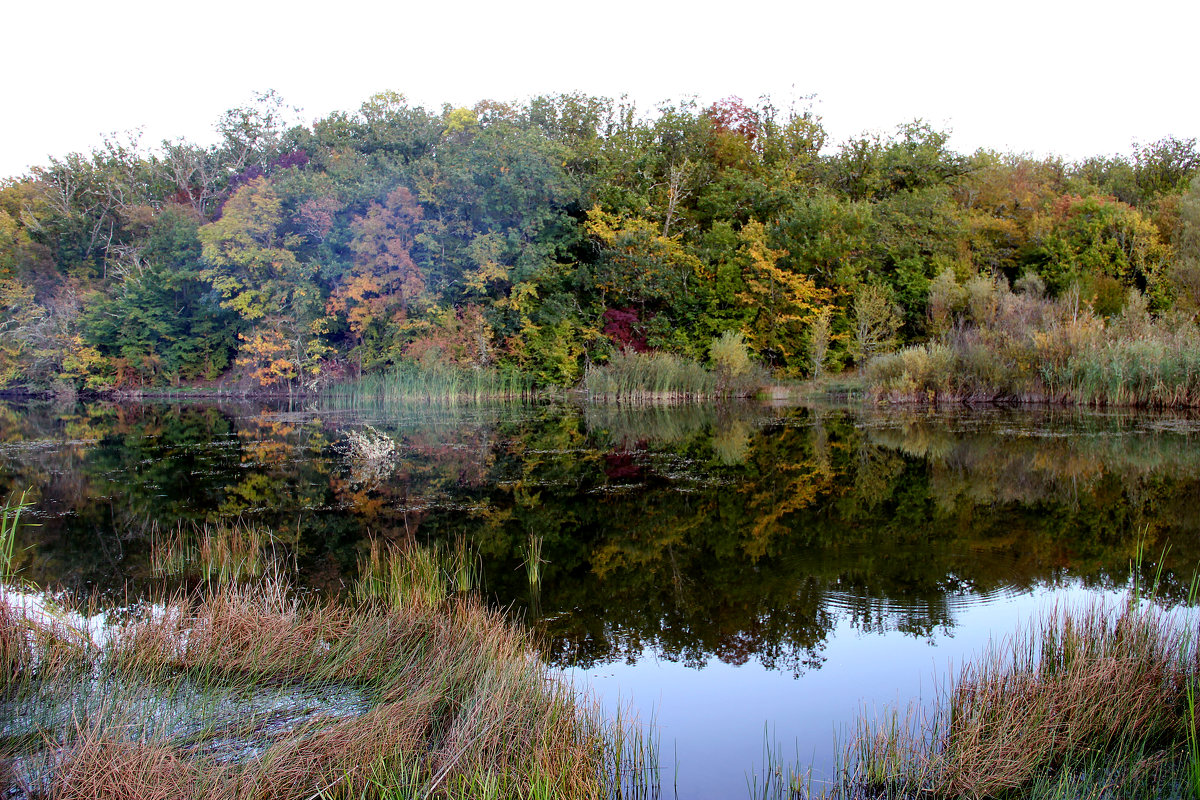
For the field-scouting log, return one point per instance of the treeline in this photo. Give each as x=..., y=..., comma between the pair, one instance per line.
x=543, y=237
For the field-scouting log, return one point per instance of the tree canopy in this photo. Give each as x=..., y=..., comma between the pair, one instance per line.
x=546, y=235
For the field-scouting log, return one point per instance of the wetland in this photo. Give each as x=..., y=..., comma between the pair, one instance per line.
x=743, y=576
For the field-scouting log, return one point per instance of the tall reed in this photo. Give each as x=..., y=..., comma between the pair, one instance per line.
x=435, y=384
x=648, y=377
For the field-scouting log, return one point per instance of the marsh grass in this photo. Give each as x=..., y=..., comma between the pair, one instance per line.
x=402, y=574
x=256, y=692
x=781, y=777
x=1082, y=703
x=436, y=384
x=224, y=551
x=10, y=523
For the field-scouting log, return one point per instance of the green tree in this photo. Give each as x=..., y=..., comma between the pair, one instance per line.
x=639, y=265
x=1084, y=239
x=160, y=319
x=1185, y=271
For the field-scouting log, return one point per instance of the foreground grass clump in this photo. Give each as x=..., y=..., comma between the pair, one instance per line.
x=1086, y=704
x=254, y=692
x=221, y=551
x=1004, y=345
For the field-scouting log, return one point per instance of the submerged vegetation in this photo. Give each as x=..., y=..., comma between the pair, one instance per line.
x=495, y=251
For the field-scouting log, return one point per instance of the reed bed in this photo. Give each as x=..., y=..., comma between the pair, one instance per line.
x=662, y=377
x=648, y=377
x=438, y=384
x=1147, y=373
x=251, y=691
x=1090, y=703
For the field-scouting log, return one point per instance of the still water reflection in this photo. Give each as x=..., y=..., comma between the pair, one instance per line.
x=726, y=568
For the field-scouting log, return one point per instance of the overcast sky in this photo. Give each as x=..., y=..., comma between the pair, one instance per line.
x=1038, y=76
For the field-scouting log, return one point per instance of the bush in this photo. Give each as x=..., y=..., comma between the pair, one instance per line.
x=737, y=373
x=1006, y=346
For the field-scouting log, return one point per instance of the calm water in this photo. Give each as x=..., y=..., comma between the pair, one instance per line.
x=742, y=574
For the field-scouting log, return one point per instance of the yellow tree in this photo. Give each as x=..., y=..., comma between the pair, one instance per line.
x=251, y=262
x=783, y=302
x=641, y=265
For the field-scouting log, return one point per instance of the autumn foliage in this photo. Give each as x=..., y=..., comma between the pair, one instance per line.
x=544, y=238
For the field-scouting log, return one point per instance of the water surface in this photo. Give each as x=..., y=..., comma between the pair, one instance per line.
x=743, y=573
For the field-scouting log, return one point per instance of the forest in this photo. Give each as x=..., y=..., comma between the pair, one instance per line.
x=543, y=237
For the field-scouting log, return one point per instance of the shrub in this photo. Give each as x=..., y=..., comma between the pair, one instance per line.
x=737, y=373
x=1027, y=347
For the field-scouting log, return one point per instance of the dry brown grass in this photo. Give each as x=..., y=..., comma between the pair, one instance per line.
x=38, y=642
x=1104, y=686
x=460, y=701
x=343, y=757
x=1102, y=682
x=103, y=767
x=15, y=651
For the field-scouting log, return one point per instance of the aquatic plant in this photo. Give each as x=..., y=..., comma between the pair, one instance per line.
x=402, y=575
x=255, y=692
x=370, y=444
x=222, y=551
x=1082, y=699
x=10, y=521
x=534, y=561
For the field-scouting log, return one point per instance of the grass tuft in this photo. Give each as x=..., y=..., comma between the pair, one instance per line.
x=253, y=691
x=1091, y=703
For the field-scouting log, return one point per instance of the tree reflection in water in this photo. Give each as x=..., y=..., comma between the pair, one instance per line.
x=738, y=532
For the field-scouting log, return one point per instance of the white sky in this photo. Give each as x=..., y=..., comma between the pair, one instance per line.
x=1038, y=76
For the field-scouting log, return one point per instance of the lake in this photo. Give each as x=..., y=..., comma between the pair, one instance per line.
x=744, y=575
